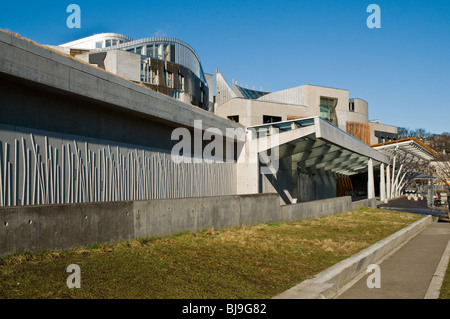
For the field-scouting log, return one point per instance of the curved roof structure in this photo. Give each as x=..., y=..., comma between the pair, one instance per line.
x=184, y=54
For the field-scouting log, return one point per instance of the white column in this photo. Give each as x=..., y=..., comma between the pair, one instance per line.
x=392, y=179
x=396, y=184
x=388, y=183
x=382, y=184
x=400, y=183
x=247, y=166
x=370, y=181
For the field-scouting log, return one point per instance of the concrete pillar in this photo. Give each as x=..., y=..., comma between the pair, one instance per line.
x=382, y=184
x=294, y=176
x=388, y=183
x=247, y=166
x=370, y=180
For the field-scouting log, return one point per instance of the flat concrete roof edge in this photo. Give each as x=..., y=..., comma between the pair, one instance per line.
x=350, y=142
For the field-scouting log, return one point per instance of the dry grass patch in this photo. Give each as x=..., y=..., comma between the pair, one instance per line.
x=240, y=262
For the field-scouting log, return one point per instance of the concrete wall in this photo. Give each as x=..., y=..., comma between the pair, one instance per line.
x=55, y=109
x=251, y=112
x=294, y=186
x=124, y=64
x=380, y=127
x=313, y=93
x=360, y=114
x=43, y=167
x=67, y=226
x=319, y=185
x=370, y=202
x=323, y=208
x=316, y=209
x=290, y=96
x=68, y=80
x=119, y=62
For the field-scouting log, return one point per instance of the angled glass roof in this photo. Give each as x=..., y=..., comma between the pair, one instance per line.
x=251, y=94
x=263, y=129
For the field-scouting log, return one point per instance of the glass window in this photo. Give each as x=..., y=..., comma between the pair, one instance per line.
x=143, y=72
x=114, y=42
x=139, y=50
x=181, y=81
x=327, y=107
x=175, y=94
x=150, y=52
x=108, y=43
x=99, y=45
x=271, y=119
x=351, y=106
x=130, y=50
x=168, y=77
x=234, y=118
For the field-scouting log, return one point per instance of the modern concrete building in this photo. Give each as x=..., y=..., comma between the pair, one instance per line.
x=71, y=132
x=87, y=156
x=250, y=107
x=163, y=64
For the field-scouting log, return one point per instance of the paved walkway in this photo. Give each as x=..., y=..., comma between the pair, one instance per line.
x=414, y=271
x=419, y=206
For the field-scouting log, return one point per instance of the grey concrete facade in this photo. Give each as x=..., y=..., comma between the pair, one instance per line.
x=70, y=133
x=300, y=102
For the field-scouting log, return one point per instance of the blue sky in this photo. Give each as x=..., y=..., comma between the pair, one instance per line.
x=402, y=69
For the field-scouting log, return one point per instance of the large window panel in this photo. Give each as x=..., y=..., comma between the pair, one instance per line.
x=150, y=51
x=168, y=78
x=327, y=106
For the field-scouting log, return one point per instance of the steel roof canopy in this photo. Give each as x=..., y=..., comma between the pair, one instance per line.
x=409, y=147
x=317, y=144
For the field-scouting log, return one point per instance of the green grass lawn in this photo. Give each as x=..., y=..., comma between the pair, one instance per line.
x=241, y=262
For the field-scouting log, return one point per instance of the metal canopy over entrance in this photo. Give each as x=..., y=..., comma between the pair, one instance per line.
x=410, y=147
x=315, y=146
x=405, y=155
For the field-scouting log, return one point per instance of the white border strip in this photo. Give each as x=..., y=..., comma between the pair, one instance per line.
x=434, y=289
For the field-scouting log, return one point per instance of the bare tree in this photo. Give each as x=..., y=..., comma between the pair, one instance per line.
x=440, y=143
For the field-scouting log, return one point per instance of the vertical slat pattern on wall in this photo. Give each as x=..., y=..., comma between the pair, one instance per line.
x=36, y=170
